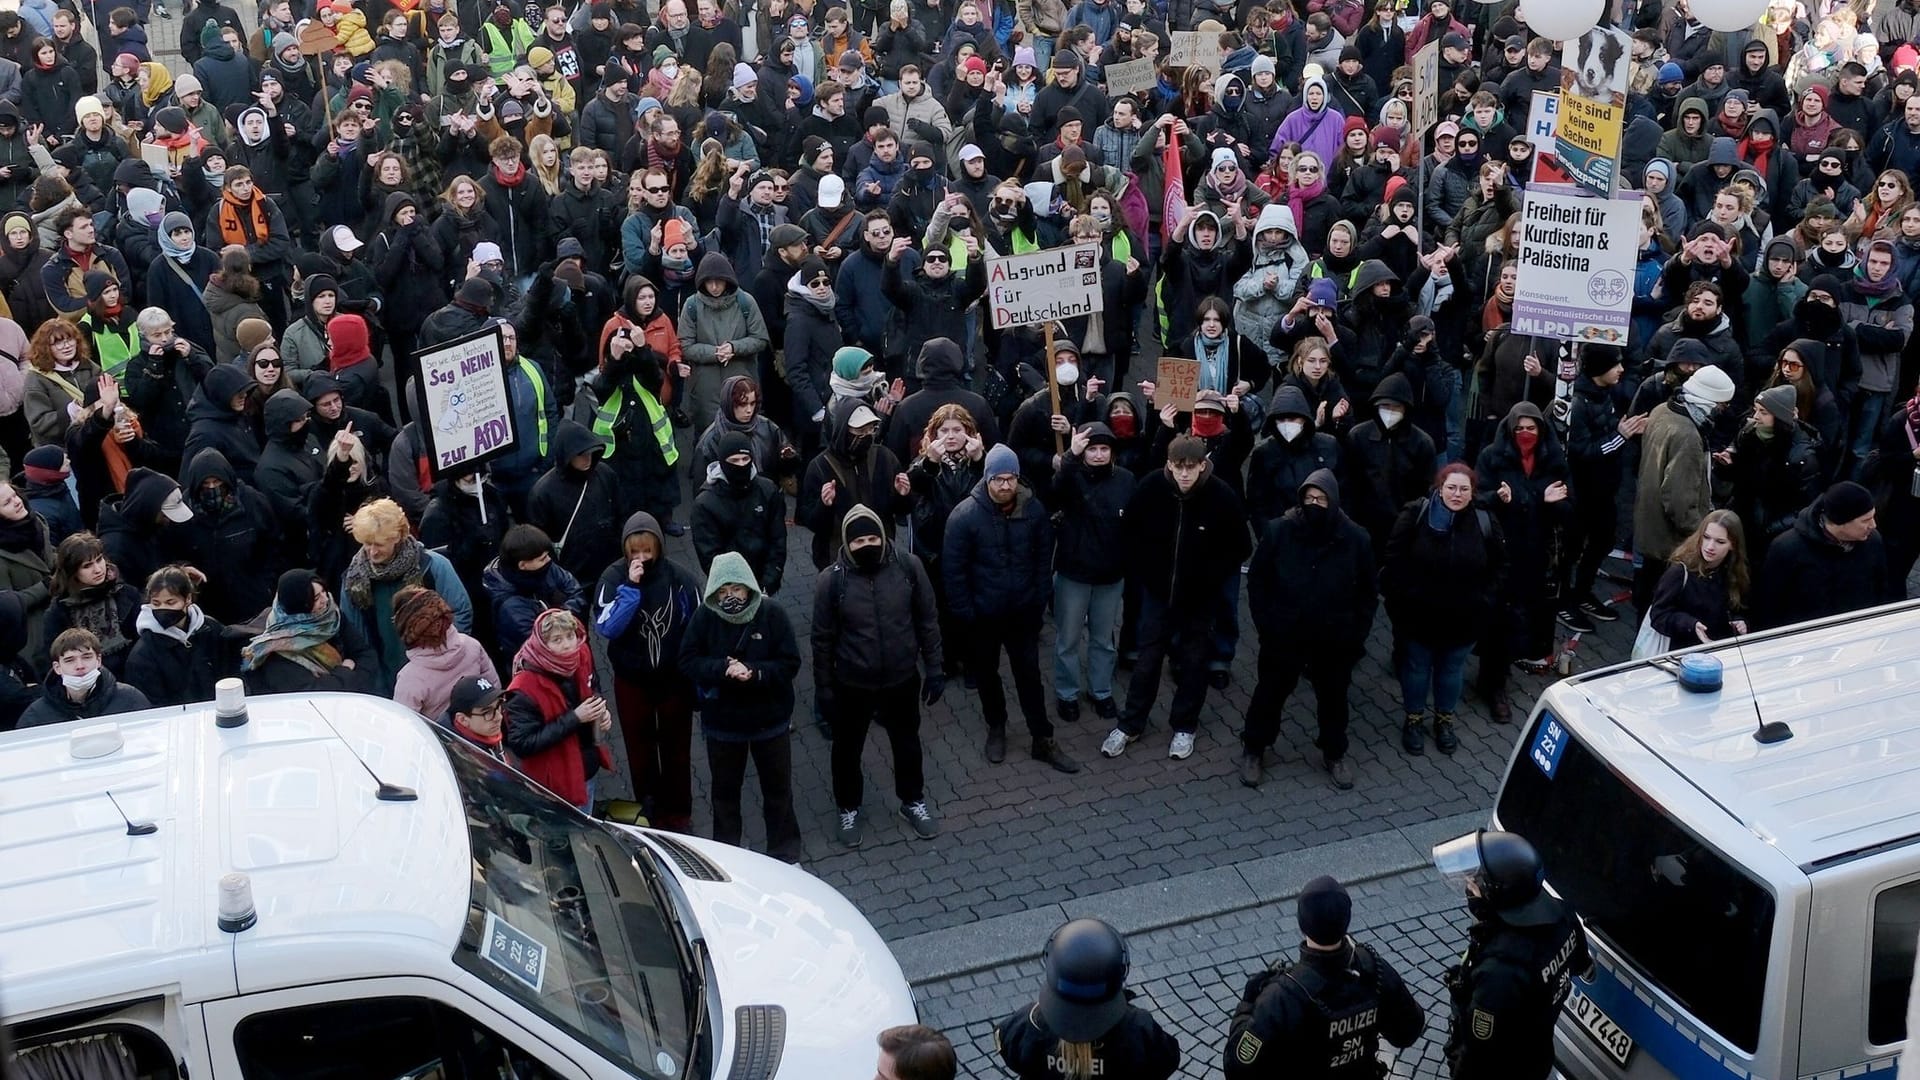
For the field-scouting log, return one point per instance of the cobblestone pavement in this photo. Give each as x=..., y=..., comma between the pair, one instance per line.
x=1191, y=976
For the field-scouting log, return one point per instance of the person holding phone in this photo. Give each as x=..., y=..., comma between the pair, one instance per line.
x=555, y=717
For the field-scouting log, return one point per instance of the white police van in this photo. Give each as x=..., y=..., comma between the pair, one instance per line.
x=335, y=887
x=1753, y=906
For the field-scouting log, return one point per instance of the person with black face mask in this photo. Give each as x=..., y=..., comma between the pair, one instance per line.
x=853, y=469
x=1312, y=589
x=578, y=501
x=180, y=652
x=525, y=580
x=740, y=510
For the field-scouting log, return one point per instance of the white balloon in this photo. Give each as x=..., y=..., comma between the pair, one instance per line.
x=1563, y=20
x=1729, y=15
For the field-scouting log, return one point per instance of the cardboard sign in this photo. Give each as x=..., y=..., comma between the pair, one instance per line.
x=1045, y=286
x=1176, y=383
x=1132, y=77
x=467, y=417
x=1194, y=48
x=1426, y=89
x=1577, y=256
x=317, y=40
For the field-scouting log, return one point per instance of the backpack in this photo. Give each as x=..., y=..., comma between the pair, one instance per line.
x=1479, y=513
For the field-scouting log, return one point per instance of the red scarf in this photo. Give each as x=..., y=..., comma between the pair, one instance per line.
x=1755, y=155
x=514, y=181
x=536, y=655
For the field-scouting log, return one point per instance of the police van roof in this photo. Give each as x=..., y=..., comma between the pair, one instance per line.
x=344, y=885
x=1849, y=688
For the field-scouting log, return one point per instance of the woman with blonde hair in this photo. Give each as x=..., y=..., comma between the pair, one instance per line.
x=544, y=151
x=60, y=370
x=390, y=559
x=1881, y=209
x=1705, y=584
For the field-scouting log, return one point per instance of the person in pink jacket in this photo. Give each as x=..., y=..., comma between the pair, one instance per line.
x=438, y=655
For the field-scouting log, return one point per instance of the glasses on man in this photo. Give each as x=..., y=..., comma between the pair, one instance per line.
x=652, y=190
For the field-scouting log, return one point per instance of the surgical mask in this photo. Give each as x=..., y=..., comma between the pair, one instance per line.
x=867, y=558
x=732, y=605
x=1390, y=418
x=669, y=71
x=469, y=485
x=1104, y=217
x=1291, y=429
x=82, y=683
x=1067, y=373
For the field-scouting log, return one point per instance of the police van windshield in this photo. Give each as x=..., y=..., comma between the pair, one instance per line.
x=569, y=922
x=1696, y=925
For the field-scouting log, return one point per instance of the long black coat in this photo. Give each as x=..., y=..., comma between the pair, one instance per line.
x=1312, y=584
x=1808, y=575
x=1440, y=587
x=1181, y=549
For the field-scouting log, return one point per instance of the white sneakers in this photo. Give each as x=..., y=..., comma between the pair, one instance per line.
x=1182, y=746
x=1116, y=743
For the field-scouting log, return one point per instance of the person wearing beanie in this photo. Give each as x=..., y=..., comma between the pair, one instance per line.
x=738, y=509
x=108, y=323
x=741, y=655
x=1831, y=562
x=854, y=469
x=307, y=645
x=1597, y=436
x=1776, y=470
x=997, y=564
x=1283, y=1013
x=1187, y=539
x=48, y=494
x=1676, y=483
x=606, y=121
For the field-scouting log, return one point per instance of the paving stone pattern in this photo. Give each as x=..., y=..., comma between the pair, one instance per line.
x=1191, y=976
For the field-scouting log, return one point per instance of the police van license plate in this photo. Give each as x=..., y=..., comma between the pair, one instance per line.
x=1602, y=1030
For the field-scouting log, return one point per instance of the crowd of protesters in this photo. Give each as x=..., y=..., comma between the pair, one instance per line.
x=735, y=259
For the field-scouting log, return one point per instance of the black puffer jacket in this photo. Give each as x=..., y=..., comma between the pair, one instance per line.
x=750, y=520
x=1390, y=467
x=238, y=542
x=1311, y=582
x=997, y=562
x=1809, y=575
x=1278, y=466
x=174, y=672
x=109, y=698
x=871, y=626
x=1091, y=545
x=216, y=426
x=1182, y=548
x=760, y=707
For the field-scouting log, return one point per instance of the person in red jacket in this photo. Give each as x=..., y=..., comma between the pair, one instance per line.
x=555, y=719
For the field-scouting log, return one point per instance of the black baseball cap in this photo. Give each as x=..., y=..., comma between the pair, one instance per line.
x=473, y=693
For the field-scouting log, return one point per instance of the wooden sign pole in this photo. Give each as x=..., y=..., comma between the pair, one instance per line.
x=1053, y=388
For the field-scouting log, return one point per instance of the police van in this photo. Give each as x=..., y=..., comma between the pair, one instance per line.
x=1746, y=859
x=321, y=886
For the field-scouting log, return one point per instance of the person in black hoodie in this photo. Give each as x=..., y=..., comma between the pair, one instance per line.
x=1597, y=437
x=852, y=470
x=1204, y=260
x=741, y=511
x=1293, y=450
x=236, y=534
x=1089, y=570
x=218, y=420
x=642, y=606
x=1392, y=460
x=79, y=687
x=292, y=462
x=332, y=415
x=1188, y=537
x=578, y=502
x=1038, y=429
x=1312, y=589
x=1522, y=479
x=142, y=528
x=1372, y=324
x=408, y=264
x=940, y=374
x=741, y=655
x=181, y=652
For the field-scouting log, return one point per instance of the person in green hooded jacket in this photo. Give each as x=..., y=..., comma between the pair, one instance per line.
x=742, y=657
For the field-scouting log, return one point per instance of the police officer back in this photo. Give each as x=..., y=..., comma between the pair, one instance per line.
x=1082, y=1025
x=1523, y=950
x=1324, y=1014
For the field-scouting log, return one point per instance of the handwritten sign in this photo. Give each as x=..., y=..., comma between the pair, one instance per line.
x=1045, y=286
x=1194, y=48
x=1426, y=89
x=468, y=417
x=1132, y=77
x=1176, y=383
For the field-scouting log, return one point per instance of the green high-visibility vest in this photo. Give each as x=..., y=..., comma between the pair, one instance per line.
x=504, y=52
x=112, y=350
x=1023, y=242
x=539, y=381
x=609, y=411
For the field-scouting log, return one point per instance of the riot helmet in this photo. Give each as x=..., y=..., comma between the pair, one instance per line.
x=1504, y=875
x=1086, y=970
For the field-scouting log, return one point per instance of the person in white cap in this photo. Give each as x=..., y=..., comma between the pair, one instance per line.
x=975, y=181
x=1676, y=481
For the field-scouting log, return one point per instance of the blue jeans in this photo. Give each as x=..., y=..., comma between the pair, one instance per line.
x=1090, y=613
x=1444, y=394
x=1426, y=670
x=1869, y=409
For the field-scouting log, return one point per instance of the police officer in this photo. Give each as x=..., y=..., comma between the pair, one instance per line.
x=1082, y=1025
x=1523, y=950
x=1324, y=1014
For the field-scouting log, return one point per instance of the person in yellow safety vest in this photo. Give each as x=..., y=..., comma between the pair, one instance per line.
x=631, y=419
x=108, y=324
x=536, y=409
x=506, y=38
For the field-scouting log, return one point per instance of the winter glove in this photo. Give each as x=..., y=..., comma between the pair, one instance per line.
x=932, y=689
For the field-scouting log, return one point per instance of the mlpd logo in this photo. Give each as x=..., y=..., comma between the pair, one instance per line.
x=1608, y=288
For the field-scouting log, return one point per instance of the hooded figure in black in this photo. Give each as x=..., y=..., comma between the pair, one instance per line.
x=941, y=378
x=1838, y=368
x=1204, y=260
x=139, y=535
x=1371, y=328
x=861, y=471
x=217, y=423
x=237, y=536
x=408, y=263
x=1521, y=478
x=577, y=503
x=1292, y=451
x=465, y=520
x=739, y=510
x=1311, y=587
x=1393, y=460
x=292, y=462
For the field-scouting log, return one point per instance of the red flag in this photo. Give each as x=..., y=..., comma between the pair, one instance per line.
x=1174, y=207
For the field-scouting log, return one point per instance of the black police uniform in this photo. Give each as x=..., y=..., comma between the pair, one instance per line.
x=1134, y=1049
x=1321, y=1016
x=1507, y=991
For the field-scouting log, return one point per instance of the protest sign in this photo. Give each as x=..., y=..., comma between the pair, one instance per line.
x=1194, y=48
x=1593, y=100
x=466, y=417
x=1541, y=117
x=1176, y=383
x=1576, y=265
x=1044, y=286
x=1132, y=77
x=1426, y=89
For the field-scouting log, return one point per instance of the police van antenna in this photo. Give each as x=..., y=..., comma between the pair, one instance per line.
x=1769, y=731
